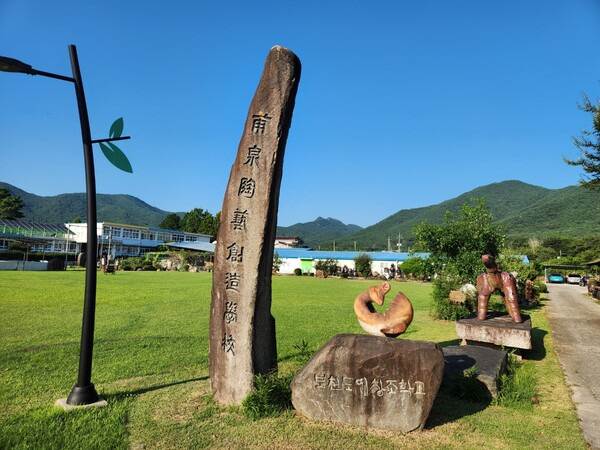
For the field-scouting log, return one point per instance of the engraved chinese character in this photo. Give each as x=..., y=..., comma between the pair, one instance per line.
x=230, y=312
x=320, y=380
x=232, y=281
x=363, y=384
x=259, y=121
x=247, y=186
x=333, y=383
x=228, y=344
x=348, y=383
x=420, y=388
x=377, y=387
x=235, y=253
x=253, y=155
x=239, y=219
x=391, y=386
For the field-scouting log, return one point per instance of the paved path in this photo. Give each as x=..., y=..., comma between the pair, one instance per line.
x=575, y=324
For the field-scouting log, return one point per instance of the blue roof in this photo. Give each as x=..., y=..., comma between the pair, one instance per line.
x=198, y=246
x=308, y=253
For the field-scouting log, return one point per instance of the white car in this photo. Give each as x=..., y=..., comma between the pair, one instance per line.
x=573, y=278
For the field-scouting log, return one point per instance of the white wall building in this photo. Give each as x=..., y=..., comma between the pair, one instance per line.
x=117, y=239
x=113, y=238
x=305, y=259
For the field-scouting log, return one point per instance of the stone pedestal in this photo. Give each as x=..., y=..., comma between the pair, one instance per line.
x=371, y=381
x=497, y=329
x=490, y=364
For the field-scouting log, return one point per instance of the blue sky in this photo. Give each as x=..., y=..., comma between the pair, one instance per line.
x=400, y=105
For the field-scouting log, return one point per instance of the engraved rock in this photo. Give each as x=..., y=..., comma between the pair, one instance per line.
x=242, y=329
x=370, y=381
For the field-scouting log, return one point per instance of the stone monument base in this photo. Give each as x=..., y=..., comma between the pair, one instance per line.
x=371, y=381
x=497, y=329
x=490, y=364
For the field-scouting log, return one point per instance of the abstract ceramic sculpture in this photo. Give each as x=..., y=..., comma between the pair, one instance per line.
x=393, y=322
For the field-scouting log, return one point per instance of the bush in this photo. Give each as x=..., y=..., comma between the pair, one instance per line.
x=413, y=266
x=298, y=272
x=442, y=308
x=185, y=267
x=328, y=266
x=272, y=395
x=540, y=286
x=362, y=263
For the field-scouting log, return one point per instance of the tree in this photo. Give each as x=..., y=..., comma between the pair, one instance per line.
x=589, y=147
x=171, y=222
x=362, y=263
x=457, y=245
x=10, y=206
x=199, y=221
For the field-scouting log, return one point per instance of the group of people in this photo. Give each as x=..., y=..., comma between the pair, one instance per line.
x=105, y=265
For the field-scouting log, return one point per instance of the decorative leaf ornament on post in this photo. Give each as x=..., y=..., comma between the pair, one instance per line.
x=84, y=393
x=113, y=153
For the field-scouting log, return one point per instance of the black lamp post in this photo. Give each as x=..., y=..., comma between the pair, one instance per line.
x=83, y=393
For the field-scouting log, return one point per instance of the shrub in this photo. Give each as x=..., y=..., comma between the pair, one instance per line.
x=540, y=286
x=328, y=266
x=414, y=266
x=185, y=267
x=362, y=263
x=272, y=395
x=298, y=271
x=442, y=308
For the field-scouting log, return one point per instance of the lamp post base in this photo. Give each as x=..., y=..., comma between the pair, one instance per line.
x=62, y=403
x=82, y=395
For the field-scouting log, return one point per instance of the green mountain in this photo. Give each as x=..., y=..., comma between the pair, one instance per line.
x=319, y=230
x=65, y=207
x=525, y=211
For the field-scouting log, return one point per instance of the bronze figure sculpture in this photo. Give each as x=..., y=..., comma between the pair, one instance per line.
x=393, y=322
x=493, y=278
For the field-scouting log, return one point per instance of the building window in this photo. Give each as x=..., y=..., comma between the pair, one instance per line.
x=148, y=235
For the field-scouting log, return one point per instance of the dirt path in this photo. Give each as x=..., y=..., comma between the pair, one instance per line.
x=575, y=323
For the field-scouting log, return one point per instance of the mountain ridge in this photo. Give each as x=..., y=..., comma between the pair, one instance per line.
x=525, y=210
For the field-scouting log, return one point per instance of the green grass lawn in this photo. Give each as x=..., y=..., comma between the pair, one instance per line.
x=151, y=364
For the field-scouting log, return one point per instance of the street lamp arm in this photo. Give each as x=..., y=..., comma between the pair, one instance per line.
x=14, y=65
x=51, y=75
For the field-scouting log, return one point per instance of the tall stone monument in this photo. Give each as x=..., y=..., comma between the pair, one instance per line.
x=242, y=330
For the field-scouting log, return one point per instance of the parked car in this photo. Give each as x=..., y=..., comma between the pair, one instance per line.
x=556, y=278
x=573, y=278
x=584, y=280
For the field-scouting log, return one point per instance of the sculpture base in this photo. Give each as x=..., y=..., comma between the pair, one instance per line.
x=498, y=329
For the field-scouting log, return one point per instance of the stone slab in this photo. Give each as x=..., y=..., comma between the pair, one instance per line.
x=371, y=381
x=490, y=364
x=497, y=329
